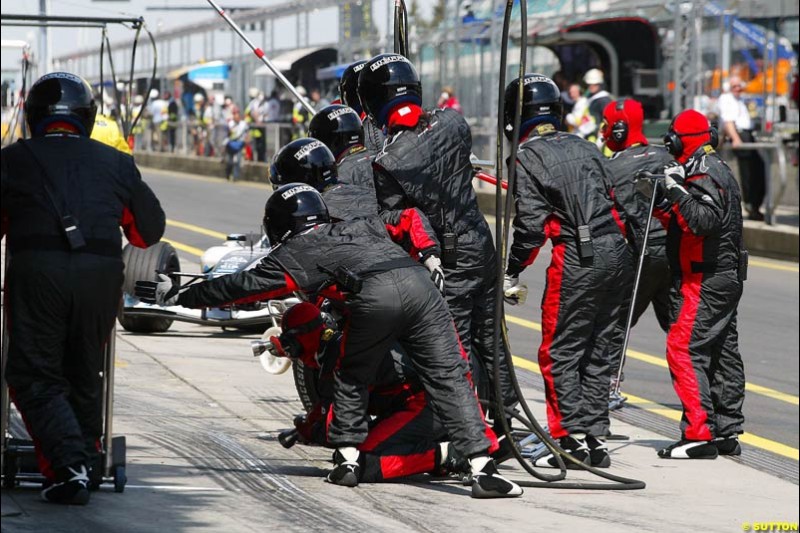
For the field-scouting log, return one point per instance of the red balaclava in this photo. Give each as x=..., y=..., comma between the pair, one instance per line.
x=405, y=115
x=631, y=114
x=302, y=330
x=694, y=131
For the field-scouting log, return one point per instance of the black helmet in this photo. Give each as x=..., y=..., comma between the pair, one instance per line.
x=60, y=96
x=541, y=102
x=338, y=126
x=386, y=81
x=305, y=161
x=348, y=85
x=291, y=209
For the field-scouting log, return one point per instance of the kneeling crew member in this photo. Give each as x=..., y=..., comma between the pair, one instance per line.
x=386, y=297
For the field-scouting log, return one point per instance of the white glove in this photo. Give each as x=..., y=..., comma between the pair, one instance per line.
x=514, y=292
x=434, y=265
x=163, y=292
x=674, y=176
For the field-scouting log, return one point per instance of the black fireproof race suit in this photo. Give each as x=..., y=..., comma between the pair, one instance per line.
x=398, y=303
x=373, y=135
x=705, y=249
x=656, y=280
x=429, y=168
x=404, y=435
x=354, y=166
x=562, y=184
x=62, y=303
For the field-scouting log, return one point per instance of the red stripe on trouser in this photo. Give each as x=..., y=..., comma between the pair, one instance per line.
x=394, y=423
x=394, y=466
x=679, y=359
x=550, y=308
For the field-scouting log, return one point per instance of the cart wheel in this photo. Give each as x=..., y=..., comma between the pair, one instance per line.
x=120, y=479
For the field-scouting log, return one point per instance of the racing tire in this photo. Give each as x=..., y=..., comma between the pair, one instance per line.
x=305, y=381
x=141, y=264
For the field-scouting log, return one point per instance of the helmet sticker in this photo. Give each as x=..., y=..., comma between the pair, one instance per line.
x=297, y=190
x=305, y=150
x=339, y=112
x=386, y=60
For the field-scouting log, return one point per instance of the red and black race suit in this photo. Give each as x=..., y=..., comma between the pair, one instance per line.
x=62, y=303
x=562, y=183
x=705, y=249
x=398, y=304
x=429, y=168
x=656, y=281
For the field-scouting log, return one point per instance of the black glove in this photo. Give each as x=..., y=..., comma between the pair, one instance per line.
x=163, y=292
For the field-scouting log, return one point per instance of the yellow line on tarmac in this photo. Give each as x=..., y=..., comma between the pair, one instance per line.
x=673, y=414
x=184, y=247
x=661, y=362
x=196, y=229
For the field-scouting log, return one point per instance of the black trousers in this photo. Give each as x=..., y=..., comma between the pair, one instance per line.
x=471, y=297
x=751, y=174
x=654, y=288
x=61, y=309
x=404, y=306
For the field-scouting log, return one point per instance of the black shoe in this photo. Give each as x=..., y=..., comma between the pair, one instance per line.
x=71, y=486
x=598, y=453
x=454, y=462
x=488, y=483
x=690, y=449
x=728, y=445
x=575, y=447
x=345, y=473
x=505, y=452
x=755, y=214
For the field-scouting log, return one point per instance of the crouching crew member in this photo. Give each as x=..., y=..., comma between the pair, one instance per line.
x=386, y=298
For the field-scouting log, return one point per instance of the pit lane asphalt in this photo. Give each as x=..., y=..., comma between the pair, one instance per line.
x=768, y=316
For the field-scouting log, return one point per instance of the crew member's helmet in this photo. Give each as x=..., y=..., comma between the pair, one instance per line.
x=292, y=209
x=306, y=161
x=338, y=126
x=385, y=82
x=348, y=86
x=541, y=102
x=60, y=97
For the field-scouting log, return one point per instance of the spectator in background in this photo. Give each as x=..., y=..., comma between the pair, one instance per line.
x=300, y=115
x=271, y=109
x=567, y=100
x=738, y=127
x=171, y=124
x=597, y=100
x=234, y=146
x=448, y=100
x=578, y=120
x=317, y=100
x=158, y=113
